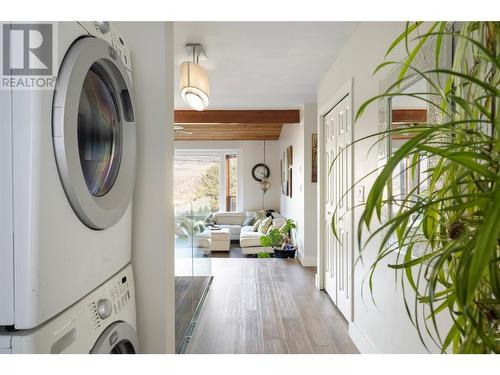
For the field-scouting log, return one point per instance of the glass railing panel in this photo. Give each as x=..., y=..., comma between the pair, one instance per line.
x=184, y=309
x=192, y=265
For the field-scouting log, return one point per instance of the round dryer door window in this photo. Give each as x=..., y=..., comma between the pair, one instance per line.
x=94, y=132
x=99, y=132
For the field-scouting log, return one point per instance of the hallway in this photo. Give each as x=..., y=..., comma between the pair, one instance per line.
x=268, y=306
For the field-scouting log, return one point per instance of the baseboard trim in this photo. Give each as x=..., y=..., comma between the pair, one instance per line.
x=363, y=344
x=306, y=261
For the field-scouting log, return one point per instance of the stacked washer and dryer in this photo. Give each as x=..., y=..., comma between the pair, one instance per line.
x=67, y=177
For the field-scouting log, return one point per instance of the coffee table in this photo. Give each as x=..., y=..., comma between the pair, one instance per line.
x=214, y=240
x=220, y=240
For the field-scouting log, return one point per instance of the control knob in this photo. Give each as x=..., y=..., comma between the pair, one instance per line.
x=104, y=308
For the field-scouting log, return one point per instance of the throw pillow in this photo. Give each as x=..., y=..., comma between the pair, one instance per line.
x=199, y=227
x=256, y=225
x=265, y=224
x=282, y=229
x=259, y=214
x=270, y=229
x=249, y=221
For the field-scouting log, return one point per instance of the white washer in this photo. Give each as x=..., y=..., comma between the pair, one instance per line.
x=68, y=170
x=102, y=322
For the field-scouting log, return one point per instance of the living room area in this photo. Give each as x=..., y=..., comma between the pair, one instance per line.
x=239, y=197
x=245, y=170
x=227, y=199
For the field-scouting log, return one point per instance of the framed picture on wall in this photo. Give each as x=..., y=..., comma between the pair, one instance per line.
x=285, y=173
x=314, y=158
x=289, y=157
x=282, y=176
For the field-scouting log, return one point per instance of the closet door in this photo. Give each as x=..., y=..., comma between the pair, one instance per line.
x=338, y=204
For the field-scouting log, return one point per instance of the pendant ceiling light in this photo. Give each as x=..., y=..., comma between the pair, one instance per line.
x=194, y=81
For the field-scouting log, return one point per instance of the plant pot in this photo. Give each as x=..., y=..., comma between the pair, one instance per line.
x=279, y=253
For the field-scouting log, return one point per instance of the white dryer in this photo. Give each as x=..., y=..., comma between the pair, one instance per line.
x=103, y=322
x=68, y=170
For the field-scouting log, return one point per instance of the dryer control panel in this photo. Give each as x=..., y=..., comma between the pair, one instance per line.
x=103, y=30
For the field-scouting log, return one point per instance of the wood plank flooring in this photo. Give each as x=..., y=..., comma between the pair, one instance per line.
x=268, y=306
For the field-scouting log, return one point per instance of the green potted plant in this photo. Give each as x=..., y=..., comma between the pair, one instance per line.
x=278, y=239
x=457, y=218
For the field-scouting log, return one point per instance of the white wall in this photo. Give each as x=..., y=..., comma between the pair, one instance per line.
x=384, y=328
x=251, y=153
x=151, y=44
x=302, y=206
x=310, y=226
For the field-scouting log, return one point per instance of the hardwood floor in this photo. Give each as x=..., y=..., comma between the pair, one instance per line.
x=268, y=306
x=235, y=252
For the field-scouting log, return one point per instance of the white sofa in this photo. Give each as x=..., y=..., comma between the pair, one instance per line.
x=249, y=241
x=230, y=220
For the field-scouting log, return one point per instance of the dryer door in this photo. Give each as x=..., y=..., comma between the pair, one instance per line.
x=94, y=132
x=118, y=338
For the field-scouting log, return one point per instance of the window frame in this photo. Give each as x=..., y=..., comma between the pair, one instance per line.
x=222, y=153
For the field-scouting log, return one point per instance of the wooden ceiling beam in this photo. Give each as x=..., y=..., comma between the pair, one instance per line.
x=226, y=137
x=287, y=116
x=409, y=115
x=230, y=127
x=241, y=132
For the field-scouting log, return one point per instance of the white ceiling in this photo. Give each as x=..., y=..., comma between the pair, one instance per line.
x=261, y=65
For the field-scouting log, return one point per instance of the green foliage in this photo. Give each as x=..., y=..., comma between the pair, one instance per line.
x=209, y=187
x=288, y=225
x=263, y=255
x=272, y=239
x=276, y=237
x=456, y=217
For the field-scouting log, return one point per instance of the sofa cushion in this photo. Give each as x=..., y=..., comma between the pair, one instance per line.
x=250, y=239
x=259, y=214
x=247, y=228
x=249, y=220
x=256, y=225
x=270, y=229
x=233, y=229
x=265, y=224
x=231, y=218
x=278, y=220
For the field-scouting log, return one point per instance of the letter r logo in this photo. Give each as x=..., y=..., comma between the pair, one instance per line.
x=27, y=49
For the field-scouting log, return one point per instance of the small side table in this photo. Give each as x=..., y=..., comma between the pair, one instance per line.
x=220, y=240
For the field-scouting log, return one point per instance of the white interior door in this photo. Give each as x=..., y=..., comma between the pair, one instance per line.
x=338, y=179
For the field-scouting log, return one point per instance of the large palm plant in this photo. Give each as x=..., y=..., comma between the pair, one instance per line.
x=454, y=213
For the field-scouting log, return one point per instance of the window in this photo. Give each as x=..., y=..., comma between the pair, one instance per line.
x=205, y=181
x=231, y=169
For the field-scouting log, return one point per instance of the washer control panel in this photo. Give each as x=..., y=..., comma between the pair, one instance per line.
x=104, y=308
x=111, y=301
x=120, y=295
